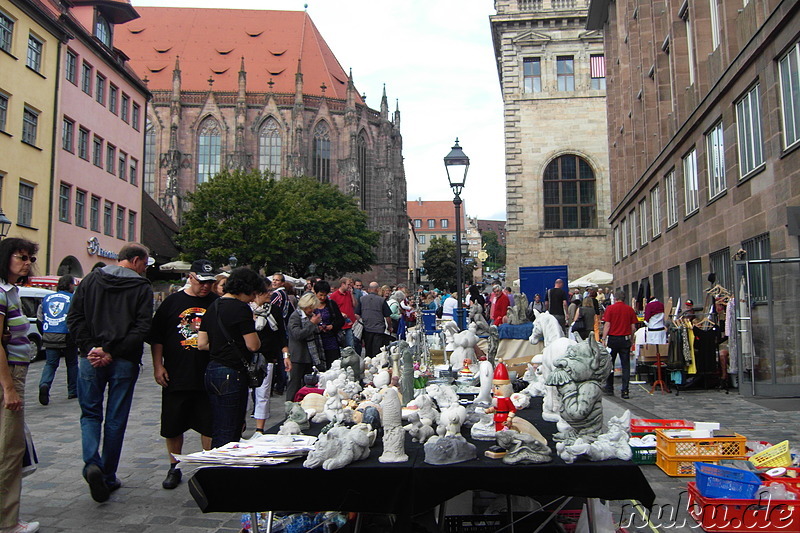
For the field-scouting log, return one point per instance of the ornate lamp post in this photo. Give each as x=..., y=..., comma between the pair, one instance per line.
x=232, y=261
x=5, y=225
x=456, y=163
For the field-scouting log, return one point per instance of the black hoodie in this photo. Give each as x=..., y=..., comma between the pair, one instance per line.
x=112, y=308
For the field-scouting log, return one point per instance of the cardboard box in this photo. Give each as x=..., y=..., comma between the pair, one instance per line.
x=648, y=352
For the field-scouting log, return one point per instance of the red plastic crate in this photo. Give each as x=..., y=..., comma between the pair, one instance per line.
x=743, y=516
x=645, y=426
x=786, y=480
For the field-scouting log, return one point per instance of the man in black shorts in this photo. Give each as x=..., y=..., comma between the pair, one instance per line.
x=179, y=367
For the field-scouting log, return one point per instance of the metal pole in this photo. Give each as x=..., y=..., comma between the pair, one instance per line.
x=459, y=280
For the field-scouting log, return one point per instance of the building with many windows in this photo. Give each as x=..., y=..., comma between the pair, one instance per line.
x=704, y=139
x=434, y=218
x=258, y=89
x=552, y=78
x=97, y=201
x=30, y=44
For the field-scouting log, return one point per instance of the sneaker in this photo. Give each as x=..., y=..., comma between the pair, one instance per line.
x=114, y=485
x=625, y=395
x=44, y=394
x=97, y=483
x=22, y=527
x=173, y=478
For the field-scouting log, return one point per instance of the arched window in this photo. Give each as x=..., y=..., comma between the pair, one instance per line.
x=102, y=30
x=569, y=194
x=269, y=147
x=322, y=153
x=209, y=150
x=149, y=158
x=363, y=168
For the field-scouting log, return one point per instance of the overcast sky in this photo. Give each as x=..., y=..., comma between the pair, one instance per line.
x=436, y=59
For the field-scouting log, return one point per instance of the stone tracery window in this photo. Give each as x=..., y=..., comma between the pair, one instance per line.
x=150, y=158
x=269, y=147
x=569, y=194
x=363, y=168
x=209, y=150
x=321, y=157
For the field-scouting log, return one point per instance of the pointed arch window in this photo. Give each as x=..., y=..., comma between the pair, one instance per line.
x=569, y=194
x=363, y=168
x=322, y=153
x=209, y=150
x=269, y=147
x=149, y=158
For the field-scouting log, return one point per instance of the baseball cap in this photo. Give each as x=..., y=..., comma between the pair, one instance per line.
x=689, y=302
x=203, y=269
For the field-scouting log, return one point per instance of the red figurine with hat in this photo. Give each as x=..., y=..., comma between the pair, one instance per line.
x=502, y=406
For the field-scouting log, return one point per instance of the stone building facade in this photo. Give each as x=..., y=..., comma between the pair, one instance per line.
x=261, y=89
x=704, y=140
x=551, y=73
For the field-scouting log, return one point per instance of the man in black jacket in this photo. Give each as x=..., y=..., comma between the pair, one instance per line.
x=110, y=318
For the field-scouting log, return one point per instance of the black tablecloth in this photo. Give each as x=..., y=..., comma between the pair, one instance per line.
x=414, y=486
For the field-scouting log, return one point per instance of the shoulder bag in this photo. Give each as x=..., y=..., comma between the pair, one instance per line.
x=256, y=366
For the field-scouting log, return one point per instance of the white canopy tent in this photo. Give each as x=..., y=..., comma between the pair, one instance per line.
x=176, y=266
x=592, y=279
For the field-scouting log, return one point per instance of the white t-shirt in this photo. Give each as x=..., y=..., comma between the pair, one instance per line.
x=449, y=307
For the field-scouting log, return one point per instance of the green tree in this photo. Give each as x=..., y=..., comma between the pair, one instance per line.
x=496, y=251
x=440, y=263
x=283, y=225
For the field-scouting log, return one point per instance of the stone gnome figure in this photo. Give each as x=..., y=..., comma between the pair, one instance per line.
x=578, y=376
x=502, y=406
x=393, y=433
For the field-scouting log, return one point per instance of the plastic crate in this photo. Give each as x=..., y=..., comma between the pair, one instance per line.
x=471, y=524
x=786, y=480
x=718, y=481
x=681, y=466
x=743, y=516
x=644, y=455
x=728, y=447
x=648, y=426
x=773, y=456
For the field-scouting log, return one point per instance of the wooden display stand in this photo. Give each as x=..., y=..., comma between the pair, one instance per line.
x=651, y=353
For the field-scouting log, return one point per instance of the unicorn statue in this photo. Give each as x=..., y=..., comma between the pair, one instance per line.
x=547, y=328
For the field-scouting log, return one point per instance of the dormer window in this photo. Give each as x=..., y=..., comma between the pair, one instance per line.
x=102, y=30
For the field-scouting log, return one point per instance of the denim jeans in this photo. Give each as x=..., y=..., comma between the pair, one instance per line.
x=227, y=391
x=120, y=377
x=70, y=355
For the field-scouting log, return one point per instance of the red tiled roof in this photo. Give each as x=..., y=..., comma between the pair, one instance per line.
x=436, y=209
x=212, y=42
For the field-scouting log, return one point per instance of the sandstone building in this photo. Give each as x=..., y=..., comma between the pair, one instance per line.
x=551, y=73
x=703, y=134
x=261, y=89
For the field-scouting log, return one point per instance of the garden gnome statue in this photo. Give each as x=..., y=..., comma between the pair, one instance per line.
x=502, y=406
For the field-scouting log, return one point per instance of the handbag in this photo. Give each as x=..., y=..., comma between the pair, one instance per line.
x=358, y=329
x=578, y=325
x=255, y=367
x=30, y=460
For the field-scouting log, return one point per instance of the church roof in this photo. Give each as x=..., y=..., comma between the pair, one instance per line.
x=210, y=43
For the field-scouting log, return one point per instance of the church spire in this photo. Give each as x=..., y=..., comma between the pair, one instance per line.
x=176, y=80
x=242, y=82
x=298, y=84
x=396, y=118
x=384, y=105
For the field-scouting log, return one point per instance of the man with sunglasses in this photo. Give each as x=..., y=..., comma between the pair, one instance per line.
x=179, y=367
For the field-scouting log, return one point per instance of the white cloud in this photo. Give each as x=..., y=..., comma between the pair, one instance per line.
x=436, y=58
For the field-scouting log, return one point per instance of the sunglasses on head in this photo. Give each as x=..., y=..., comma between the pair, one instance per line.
x=24, y=258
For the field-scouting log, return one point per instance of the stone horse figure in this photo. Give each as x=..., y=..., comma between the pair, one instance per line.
x=547, y=328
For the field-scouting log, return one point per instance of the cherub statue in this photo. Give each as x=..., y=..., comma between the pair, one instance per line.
x=578, y=377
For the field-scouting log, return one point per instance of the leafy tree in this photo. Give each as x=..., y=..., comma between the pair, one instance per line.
x=492, y=246
x=440, y=263
x=283, y=225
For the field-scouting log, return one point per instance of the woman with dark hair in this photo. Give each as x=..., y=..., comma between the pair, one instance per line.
x=475, y=297
x=583, y=319
x=271, y=330
x=331, y=324
x=52, y=313
x=16, y=261
x=228, y=332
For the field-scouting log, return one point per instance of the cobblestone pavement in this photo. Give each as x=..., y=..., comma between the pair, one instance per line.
x=57, y=496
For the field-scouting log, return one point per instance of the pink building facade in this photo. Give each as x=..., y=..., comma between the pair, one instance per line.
x=97, y=187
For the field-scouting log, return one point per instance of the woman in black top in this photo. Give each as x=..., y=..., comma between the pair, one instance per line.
x=226, y=379
x=332, y=322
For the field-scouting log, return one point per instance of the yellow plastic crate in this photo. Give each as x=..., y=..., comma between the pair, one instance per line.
x=681, y=466
x=773, y=456
x=726, y=447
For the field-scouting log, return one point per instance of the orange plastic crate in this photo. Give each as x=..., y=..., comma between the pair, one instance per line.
x=724, y=515
x=728, y=447
x=681, y=466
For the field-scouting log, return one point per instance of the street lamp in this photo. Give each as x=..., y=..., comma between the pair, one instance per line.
x=5, y=225
x=232, y=261
x=456, y=163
